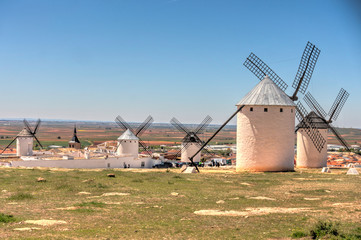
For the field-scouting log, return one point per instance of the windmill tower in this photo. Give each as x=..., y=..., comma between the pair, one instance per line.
x=74, y=142
x=308, y=154
x=265, y=125
x=191, y=143
x=25, y=139
x=128, y=142
x=24, y=143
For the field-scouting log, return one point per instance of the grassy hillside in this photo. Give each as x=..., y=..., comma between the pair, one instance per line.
x=168, y=205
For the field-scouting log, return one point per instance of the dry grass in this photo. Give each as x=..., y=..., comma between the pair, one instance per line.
x=152, y=203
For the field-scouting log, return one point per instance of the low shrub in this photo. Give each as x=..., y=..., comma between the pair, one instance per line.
x=5, y=218
x=324, y=228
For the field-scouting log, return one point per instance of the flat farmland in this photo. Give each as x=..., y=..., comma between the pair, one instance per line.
x=59, y=133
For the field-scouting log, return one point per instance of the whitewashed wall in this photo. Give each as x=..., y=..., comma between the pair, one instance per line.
x=265, y=140
x=87, y=163
x=189, y=152
x=24, y=146
x=128, y=147
x=307, y=154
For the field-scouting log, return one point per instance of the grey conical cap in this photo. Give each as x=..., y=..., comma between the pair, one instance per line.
x=266, y=93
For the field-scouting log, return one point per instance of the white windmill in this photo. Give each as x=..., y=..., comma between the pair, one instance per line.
x=191, y=143
x=265, y=129
x=310, y=155
x=128, y=142
x=25, y=139
x=265, y=125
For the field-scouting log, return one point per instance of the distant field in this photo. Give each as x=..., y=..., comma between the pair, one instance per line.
x=59, y=133
x=153, y=204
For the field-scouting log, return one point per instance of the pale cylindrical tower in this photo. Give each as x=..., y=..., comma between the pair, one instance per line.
x=265, y=130
x=307, y=154
x=128, y=144
x=190, y=151
x=24, y=143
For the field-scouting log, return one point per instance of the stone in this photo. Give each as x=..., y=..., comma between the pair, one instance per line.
x=183, y=168
x=111, y=175
x=83, y=193
x=114, y=194
x=352, y=171
x=45, y=222
x=40, y=179
x=190, y=170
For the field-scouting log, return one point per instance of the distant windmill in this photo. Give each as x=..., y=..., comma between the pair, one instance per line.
x=191, y=142
x=306, y=155
x=25, y=139
x=277, y=129
x=128, y=141
x=333, y=113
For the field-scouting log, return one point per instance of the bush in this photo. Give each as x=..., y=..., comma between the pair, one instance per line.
x=323, y=228
x=298, y=234
x=5, y=218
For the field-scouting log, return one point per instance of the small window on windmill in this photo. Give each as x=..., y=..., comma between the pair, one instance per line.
x=265, y=109
x=281, y=109
x=108, y=165
x=142, y=164
x=291, y=110
x=251, y=109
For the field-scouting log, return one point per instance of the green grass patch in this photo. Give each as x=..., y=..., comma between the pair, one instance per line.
x=21, y=196
x=5, y=218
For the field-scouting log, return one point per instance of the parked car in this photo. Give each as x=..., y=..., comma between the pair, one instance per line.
x=164, y=165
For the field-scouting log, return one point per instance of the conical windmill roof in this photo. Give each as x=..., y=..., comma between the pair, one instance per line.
x=266, y=92
x=315, y=119
x=128, y=135
x=25, y=133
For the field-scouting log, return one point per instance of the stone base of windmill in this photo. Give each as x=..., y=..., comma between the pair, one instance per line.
x=352, y=171
x=189, y=170
x=326, y=170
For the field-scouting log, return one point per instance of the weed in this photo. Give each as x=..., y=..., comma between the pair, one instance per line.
x=137, y=180
x=83, y=210
x=91, y=204
x=5, y=218
x=178, y=177
x=21, y=196
x=298, y=234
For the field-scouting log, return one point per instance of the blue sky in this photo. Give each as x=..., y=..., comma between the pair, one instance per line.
x=93, y=60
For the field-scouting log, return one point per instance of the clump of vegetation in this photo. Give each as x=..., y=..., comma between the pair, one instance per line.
x=298, y=234
x=21, y=196
x=324, y=228
x=137, y=180
x=176, y=176
x=91, y=204
x=327, y=230
x=5, y=218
